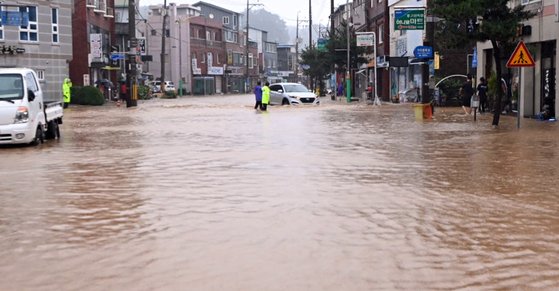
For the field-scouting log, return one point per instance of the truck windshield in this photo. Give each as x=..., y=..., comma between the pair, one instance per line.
x=11, y=86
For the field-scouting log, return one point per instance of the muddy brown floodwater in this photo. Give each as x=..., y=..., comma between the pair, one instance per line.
x=207, y=194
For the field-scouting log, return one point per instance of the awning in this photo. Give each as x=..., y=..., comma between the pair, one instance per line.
x=109, y=68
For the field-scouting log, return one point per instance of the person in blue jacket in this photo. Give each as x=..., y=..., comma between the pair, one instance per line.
x=258, y=95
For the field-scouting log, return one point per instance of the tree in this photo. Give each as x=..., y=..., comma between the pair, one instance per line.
x=481, y=20
x=316, y=65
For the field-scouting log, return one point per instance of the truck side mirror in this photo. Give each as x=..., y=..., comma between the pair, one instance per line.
x=30, y=95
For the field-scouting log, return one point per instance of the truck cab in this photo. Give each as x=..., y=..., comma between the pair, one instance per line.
x=24, y=116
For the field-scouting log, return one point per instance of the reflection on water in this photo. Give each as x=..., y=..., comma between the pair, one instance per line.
x=208, y=194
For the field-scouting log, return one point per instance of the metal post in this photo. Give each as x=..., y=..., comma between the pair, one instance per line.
x=163, y=34
x=518, y=103
x=247, y=76
x=180, y=57
x=297, y=50
x=246, y=54
x=310, y=24
x=131, y=76
x=348, y=72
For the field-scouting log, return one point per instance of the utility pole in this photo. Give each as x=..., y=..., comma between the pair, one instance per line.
x=163, y=34
x=132, y=74
x=247, y=76
x=428, y=41
x=310, y=23
x=297, y=48
x=180, y=57
x=348, y=70
x=332, y=33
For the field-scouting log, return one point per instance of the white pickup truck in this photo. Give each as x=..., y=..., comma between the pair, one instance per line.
x=24, y=117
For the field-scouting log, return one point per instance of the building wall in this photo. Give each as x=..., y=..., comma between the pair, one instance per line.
x=47, y=58
x=85, y=21
x=529, y=80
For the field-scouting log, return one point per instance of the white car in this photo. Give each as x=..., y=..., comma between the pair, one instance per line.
x=292, y=94
x=169, y=86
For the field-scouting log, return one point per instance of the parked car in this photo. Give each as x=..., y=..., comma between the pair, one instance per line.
x=292, y=94
x=155, y=86
x=169, y=86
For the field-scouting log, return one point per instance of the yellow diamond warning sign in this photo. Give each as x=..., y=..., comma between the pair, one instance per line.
x=521, y=57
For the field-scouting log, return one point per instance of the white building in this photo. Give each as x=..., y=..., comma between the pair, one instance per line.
x=402, y=44
x=43, y=43
x=177, y=42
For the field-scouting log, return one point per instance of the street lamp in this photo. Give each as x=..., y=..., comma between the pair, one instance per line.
x=247, y=80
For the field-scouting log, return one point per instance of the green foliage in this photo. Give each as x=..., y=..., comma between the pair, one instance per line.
x=87, y=95
x=319, y=65
x=144, y=92
x=493, y=20
x=169, y=95
x=492, y=85
x=450, y=88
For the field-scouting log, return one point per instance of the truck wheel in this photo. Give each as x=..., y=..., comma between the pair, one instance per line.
x=39, y=136
x=51, y=130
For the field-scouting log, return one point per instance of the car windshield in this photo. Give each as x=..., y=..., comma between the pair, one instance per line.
x=170, y=84
x=295, y=88
x=11, y=86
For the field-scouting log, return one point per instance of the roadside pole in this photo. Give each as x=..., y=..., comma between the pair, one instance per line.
x=131, y=76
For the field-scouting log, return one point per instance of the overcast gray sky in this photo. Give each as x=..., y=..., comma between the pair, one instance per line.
x=286, y=9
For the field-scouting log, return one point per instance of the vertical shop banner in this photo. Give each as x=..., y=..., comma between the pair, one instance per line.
x=95, y=45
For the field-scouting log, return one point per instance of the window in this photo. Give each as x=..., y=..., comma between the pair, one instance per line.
x=31, y=82
x=226, y=20
x=203, y=60
x=31, y=31
x=380, y=33
x=208, y=35
x=231, y=36
x=525, y=2
x=217, y=59
x=235, y=20
x=54, y=25
x=40, y=74
x=153, y=32
x=250, y=61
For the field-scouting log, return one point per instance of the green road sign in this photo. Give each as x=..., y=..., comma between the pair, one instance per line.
x=409, y=19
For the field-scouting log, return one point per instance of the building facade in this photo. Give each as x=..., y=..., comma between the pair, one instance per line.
x=534, y=87
x=93, y=34
x=43, y=43
x=378, y=18
x=177, y=37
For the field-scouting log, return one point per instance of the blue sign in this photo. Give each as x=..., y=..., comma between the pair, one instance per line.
x=423, y=52
x=14, y=18
x=117, y=56
x=474, y=58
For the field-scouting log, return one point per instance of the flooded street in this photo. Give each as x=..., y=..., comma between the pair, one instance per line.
x=207, y=194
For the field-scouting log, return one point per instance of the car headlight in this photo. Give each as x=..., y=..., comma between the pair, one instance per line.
x=22, y=115
x=294, y=97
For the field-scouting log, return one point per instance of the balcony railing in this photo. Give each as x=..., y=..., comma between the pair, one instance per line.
x=100, y=7
x=110, y=13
